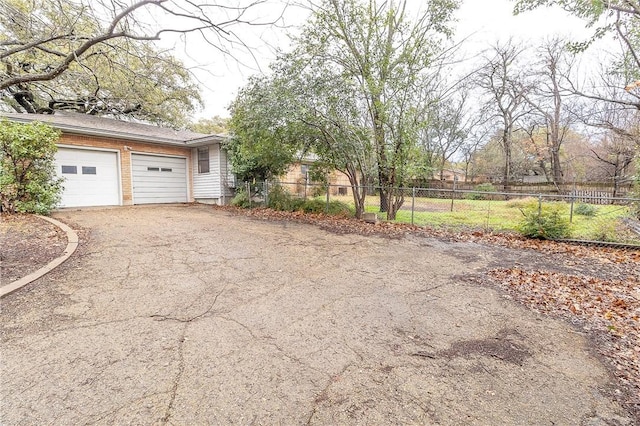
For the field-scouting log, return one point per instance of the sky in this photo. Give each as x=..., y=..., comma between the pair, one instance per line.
x=481, y=22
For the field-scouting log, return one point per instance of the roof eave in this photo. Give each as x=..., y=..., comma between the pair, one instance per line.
x=207, y=140
x=66, y=128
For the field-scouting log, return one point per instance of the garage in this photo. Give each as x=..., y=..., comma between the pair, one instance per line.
x=159, y=179
x=90, y=177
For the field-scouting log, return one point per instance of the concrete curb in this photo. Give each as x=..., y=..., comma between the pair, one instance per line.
x=72, y=245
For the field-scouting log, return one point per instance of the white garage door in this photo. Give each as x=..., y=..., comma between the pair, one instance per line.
x=90, y=177
x=159, y=179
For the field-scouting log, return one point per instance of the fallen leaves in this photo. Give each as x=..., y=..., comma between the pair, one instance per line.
x=604, y=297
x=611, y=307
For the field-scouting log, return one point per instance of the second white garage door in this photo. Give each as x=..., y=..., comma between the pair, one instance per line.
x=158, y=179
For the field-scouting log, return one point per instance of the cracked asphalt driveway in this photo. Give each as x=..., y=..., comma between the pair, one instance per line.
x=188, y=315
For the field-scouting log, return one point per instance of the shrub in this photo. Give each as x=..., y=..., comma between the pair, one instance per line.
x=583, y=209
x=483, y=187
x=522, y=203
x=241, y=199
x=279, y=198
x=604, y=230
x=547, y=223
x=319, y=205
x=338, y=208
x=314, y=205
x=28, y=181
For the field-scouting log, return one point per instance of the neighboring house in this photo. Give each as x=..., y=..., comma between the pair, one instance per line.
x=111, y=162
x=297, y=180
x=451, y=175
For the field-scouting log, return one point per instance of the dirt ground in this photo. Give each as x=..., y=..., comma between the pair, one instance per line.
x=192, y=315
x=28, y=243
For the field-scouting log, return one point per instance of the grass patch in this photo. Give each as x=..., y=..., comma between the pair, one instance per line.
x=605, y=225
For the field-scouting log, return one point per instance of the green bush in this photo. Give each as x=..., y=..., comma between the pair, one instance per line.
x=521, y=203
x=241, y=199
x=604, y=229
x=547, y=223
x=28, y=181
x=483, y=187
x=338, y=208
x=314, y=205
x=583, y=209
x=278, y=198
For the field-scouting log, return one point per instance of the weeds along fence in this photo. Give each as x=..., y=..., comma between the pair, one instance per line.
x=590, y=217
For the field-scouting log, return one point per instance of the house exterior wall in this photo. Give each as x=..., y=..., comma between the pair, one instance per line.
x=214, y=186
x=125, y=148
x=206, y=186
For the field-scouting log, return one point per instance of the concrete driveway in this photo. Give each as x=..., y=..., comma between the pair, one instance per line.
x=189, y=316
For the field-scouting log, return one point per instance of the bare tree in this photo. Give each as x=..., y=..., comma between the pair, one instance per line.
x=502, y=82
x=551, y=116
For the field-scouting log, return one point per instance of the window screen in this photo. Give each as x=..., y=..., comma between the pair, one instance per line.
x=88, y=170
x=69, y=170
x=203, y=160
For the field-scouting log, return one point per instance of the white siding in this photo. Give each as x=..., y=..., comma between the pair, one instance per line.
x=207, y=185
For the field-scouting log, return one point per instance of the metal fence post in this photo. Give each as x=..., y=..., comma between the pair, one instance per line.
x=266, y=193
x=327, y=206
x=249, y=194
x=453, y=194
x=539, y=205
x=413, y=202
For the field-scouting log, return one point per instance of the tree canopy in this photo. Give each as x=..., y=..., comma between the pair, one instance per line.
x=353, y=89
x=98, y=57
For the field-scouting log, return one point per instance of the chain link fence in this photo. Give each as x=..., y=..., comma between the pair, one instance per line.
x=590, y=218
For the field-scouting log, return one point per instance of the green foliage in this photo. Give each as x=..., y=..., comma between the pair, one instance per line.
x=319, y=205
x=281, y=199
x=265, y=140
x=216, y=125
x=483, y=187
x=241, y=199
x=28, y=182
x=520, y=203
x=584, y=209
x=548, y=222
x=117, y=76
x=604, y=229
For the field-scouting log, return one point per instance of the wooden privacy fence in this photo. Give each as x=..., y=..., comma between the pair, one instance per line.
x=593, y=189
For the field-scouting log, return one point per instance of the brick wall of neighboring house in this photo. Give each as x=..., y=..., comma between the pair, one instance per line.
x=125, y=156
x=294, y=181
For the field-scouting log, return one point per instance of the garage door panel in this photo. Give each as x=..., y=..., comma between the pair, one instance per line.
x=158, y=179
x=91, y=177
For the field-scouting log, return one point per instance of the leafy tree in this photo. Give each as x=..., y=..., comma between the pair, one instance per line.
x=216, y=125
x=388, y=55
x=28, y=182
x=97, y=57
x=263, y=145
x=303, y=106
